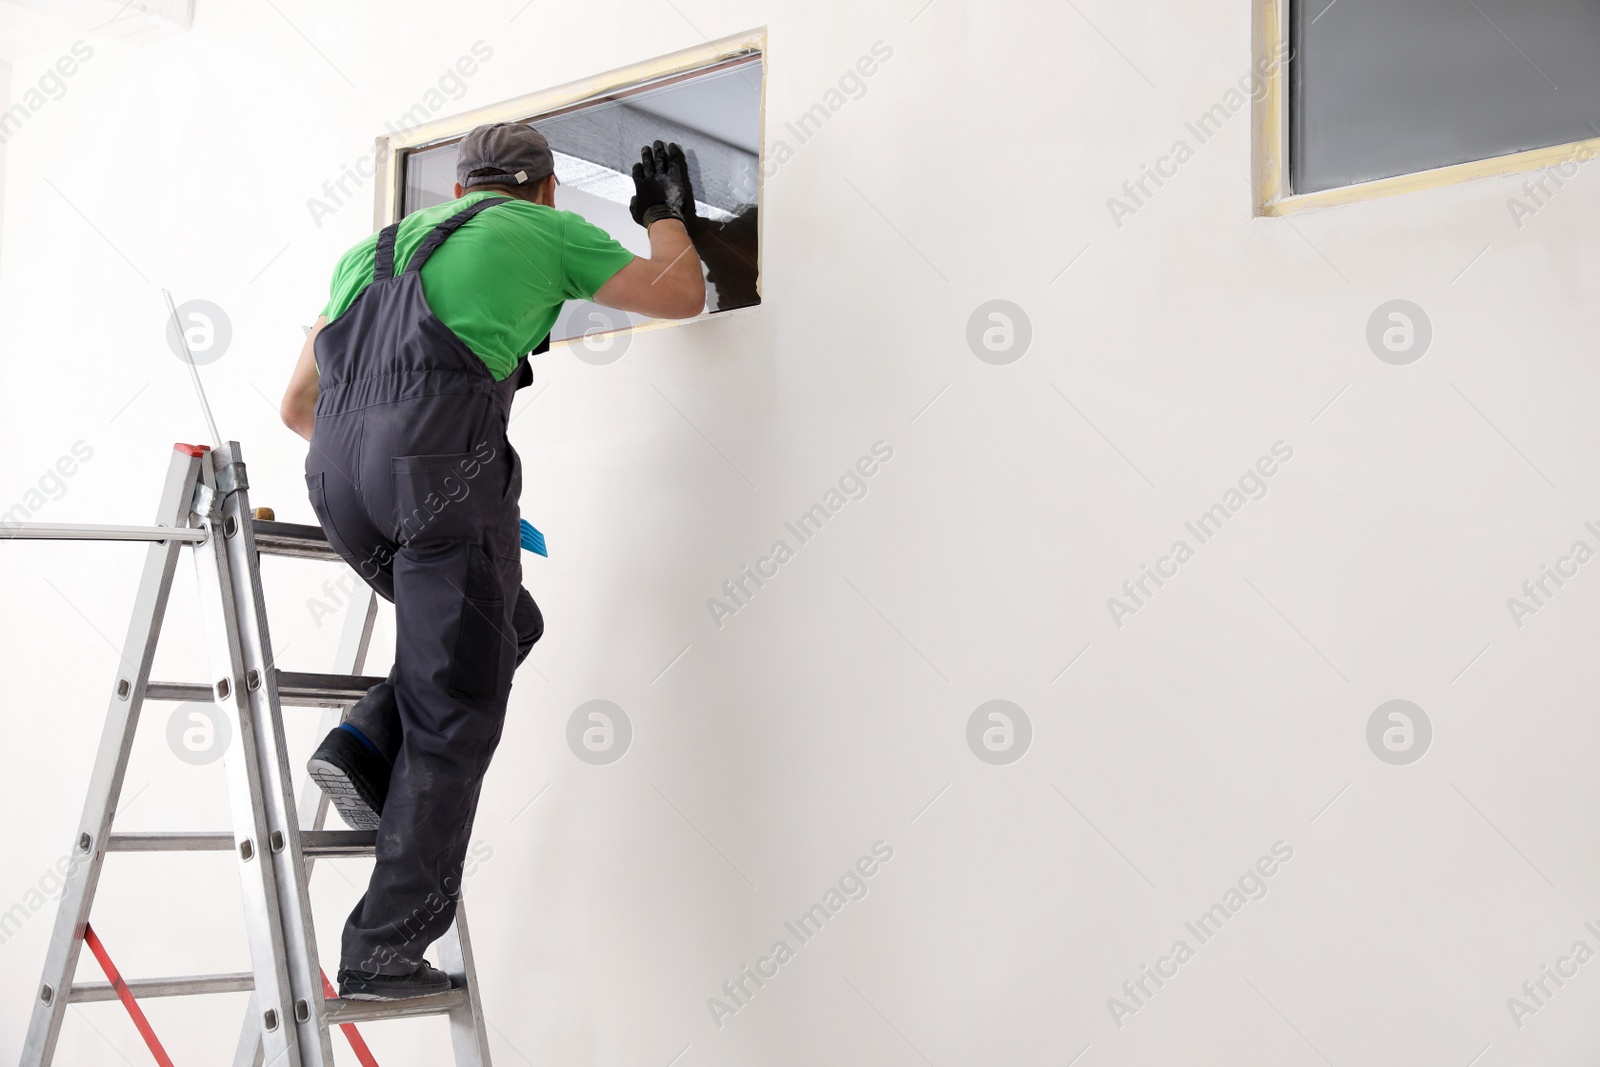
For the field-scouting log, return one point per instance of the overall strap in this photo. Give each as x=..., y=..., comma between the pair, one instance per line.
x=445, y=229
x=383, y=268
x=521, y=375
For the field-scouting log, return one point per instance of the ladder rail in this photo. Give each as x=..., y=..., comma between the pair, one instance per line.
x=110, y=767
x=288, y=992
x=469, y=1036
x=355, y=640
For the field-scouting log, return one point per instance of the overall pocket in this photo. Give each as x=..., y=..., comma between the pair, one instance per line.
x=513, y=486
x=481, y=639
x=434, y=497
x=319, y=504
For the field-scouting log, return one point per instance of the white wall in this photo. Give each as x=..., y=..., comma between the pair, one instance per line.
x=5, y=105
x=1228, y=714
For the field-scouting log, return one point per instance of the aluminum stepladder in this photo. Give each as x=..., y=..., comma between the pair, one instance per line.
x=205, y=508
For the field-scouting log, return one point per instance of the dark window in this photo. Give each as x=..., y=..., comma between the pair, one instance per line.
x=1386, y=87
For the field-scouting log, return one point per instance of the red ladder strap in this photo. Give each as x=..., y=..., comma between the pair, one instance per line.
x=123, y=994
x=142, y=1024
x=357, y=1042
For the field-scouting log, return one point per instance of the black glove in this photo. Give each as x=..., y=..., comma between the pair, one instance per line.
x=649, y=194
x=680, y=189
x=661, y=186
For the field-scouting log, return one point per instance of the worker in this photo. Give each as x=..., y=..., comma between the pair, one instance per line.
x=404, y=391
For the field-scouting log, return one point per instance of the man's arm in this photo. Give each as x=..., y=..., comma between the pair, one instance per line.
x=300, y=398
x=668, y=285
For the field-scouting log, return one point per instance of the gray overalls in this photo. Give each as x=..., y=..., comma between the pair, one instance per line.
x=416, y=486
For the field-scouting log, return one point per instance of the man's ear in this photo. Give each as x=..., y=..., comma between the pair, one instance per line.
x=459, y=190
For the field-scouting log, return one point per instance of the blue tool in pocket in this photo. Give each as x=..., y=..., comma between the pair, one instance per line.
x=533, y=540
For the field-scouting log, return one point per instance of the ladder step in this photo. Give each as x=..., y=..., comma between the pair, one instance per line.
x=370, y=1011
x=184, y=986
x=295, y=688
x=339, y=842
x=330, y=843
x=178, y=841
x=292, y=539
x=339, y=1011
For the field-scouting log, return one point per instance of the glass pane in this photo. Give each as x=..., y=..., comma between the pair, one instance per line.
x=716, y=117
x=1381, y=88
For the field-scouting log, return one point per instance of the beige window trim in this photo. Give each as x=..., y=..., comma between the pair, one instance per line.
x=1270, y=166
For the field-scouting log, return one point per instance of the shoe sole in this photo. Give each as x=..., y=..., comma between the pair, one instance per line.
x=353, y=809
x=379, y=996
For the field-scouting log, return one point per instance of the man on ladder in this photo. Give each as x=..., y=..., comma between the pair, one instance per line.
x=404, y=390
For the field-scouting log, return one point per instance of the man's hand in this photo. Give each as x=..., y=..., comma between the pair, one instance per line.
x=662, y=187
x=649, y=192
x=680, y=189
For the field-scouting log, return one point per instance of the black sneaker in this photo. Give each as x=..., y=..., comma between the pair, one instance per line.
x=355, y=779
x=425, y=981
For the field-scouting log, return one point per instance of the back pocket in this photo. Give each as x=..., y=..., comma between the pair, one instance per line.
x=434, y=498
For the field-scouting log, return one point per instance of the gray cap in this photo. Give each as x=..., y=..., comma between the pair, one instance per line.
x=520, y=153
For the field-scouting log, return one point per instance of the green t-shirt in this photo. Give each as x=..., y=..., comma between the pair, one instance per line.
x=500, y=280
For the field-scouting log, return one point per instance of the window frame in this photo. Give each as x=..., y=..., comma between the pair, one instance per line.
x=1274, y=196
x=615, y=84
